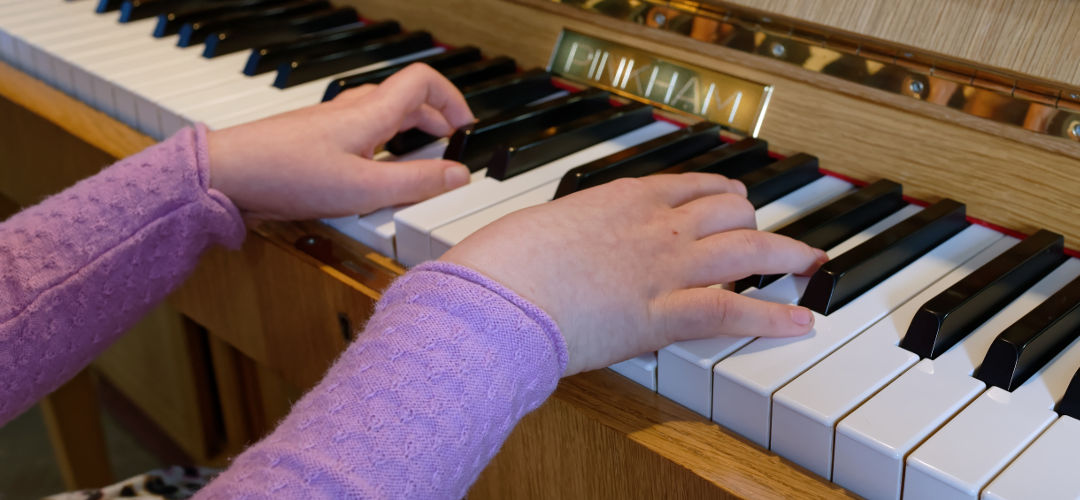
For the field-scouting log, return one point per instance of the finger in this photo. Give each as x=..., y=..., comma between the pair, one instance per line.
x=698, y=313
x=429, y=120
x=677, y=189
x=354, y=94
x=732, y=255
x=417, y=85
x=718, y=213
x=395, y=183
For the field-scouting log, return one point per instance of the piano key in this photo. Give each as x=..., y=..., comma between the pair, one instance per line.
x=733, y=160
x=269, y=57
x=171, y=22
x=1045, y=470
x=468, y=75
x=686, y=368
x=766, y=184
x=415, y=224
x=837, y=222
x=234, y=40
x=463, y=61
x=1070, y=402
x=196, y=32
x=640, y=369
x=558, y=141
x=104, y=6
x=961, y=458
x=311, y=68
x=942, y=321
x=873, y=441
x=645, y=159
x=1027, y=345
x=134, y=10
x=744, y=383
x=844, y=278
x=487, y=100
x=806, y=411
x=472, y=145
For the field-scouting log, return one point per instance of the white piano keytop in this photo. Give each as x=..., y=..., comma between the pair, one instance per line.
x=640, y=369
x=806, y=410
x=874, y=440
x=1045, y=470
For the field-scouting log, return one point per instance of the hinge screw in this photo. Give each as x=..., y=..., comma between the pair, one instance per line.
x=778, y=49
x=916, y=87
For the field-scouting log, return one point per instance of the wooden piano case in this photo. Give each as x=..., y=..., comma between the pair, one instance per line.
x=291, y=310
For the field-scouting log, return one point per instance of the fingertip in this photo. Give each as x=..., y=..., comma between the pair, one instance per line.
x=739, y=187
x=802, y=317
x=455, y=175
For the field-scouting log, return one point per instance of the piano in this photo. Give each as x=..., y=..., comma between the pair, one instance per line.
x=944, y=362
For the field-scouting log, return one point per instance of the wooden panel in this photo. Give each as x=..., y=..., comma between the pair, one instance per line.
x=1034, y=37
x=161, y=365
x=602, y=436
x=73, y=418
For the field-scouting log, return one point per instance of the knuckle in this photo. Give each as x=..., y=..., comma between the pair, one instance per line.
x=722, y=309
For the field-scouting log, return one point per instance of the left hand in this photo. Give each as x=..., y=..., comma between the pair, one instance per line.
x=317, y=162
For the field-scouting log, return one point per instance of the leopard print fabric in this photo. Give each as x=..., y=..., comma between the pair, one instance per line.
x=173, y=483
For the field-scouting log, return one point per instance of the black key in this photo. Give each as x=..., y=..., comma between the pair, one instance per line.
x=643, y=159
x=473, y=145
x=767, y=184
x=732, y=160
x=557, y=142
x=170, y=22
x=842, y=279
x=104, y=6
x=441, y=62
x=268, y=58
x=133, y=10
x=468, y=75
x=486, y=100
x=947, y=318
x=196, y=32
x=314, y=67
x=1070, y=402
x=1027, y=345
x=278, y=30
x=827, y=226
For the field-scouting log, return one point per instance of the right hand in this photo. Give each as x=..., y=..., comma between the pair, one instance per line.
x=625, y=268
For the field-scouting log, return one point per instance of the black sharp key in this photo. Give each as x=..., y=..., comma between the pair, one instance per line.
x=643, y=159
x=486, y=100
x=196, y=32
x=314, y=67
x=732, y=160
x=104, y=6
x=268, y=58
x=169, y=23
x=557, y=142
x=947, y=318
x=768, y=183
x=842, y=279
x=282, y=30
x=473, y=145
x=441, y=62
x=827, y=226
x=1070, y=402
x=468, y=75
x=133, y=10
x=1027, y=345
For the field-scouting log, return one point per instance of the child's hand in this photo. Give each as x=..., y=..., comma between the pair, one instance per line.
x=623, y=267
x=316, y=162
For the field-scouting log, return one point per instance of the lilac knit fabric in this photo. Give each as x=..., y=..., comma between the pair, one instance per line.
x=415, y=407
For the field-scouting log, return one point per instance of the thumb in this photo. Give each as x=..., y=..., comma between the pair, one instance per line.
x=397, y=183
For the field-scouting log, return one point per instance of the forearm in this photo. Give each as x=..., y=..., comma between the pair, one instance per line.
x=418, y=404
x=80, y=268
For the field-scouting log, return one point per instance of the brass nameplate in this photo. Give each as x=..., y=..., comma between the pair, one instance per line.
x=732, y=102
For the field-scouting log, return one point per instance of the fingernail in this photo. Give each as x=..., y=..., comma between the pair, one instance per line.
x=802, y=316
x=822, y=257
x=455, y=176
x=740, y=187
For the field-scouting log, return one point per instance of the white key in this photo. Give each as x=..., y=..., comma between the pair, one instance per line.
x=959, y=460
x=640, y=369
x=873, y=441
x=413, y=225
x=1046, y=470
x=743, y=384
x=806, y=410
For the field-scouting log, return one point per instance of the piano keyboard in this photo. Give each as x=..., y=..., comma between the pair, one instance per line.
x=943, y=363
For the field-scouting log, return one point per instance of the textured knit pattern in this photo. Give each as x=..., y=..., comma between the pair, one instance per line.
x=418, y=404
x=414, y=408
x=79, y=269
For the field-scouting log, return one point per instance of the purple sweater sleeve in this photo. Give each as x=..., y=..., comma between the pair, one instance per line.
x=80, y=268
x=418, y=404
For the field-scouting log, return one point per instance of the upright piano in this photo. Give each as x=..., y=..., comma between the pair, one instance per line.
x=948, y=140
